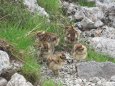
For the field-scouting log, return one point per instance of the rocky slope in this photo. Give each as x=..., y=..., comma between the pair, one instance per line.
x=98, y=21
x=98, y=28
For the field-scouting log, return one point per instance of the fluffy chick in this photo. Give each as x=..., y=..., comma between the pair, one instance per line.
x=79, y=52
x=56, y=61
x=71, y=34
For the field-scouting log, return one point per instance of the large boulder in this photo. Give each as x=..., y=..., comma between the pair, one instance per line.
x=96, y=69
x=18, y=80
x=104, y=45
x=4, y=61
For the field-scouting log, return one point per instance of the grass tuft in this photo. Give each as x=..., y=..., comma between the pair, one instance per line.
x=86, y=3
x=31, y=69
x=51, y=6
x=51, y=83
x=99, y=57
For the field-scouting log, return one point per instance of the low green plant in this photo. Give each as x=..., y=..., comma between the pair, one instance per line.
x=51, y=6
x=99, y=57
x=31, y=69
x=86, y=3
x=13, y=12
x=51, y=83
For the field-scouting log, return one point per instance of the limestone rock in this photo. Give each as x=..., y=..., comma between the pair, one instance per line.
x=113, y=78
x=4, y=61
x=18, y=80
x=34, y=7
x=96, y=69
x=104, y=45
x=3, y=82
x=108, y=32
x=108, y=84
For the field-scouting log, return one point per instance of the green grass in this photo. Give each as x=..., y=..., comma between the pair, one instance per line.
x=99, y=57
x=21, y=37
x=51, y=6
x=14, y=12
x=31, y=69
x=86, y=3
x=51, y=83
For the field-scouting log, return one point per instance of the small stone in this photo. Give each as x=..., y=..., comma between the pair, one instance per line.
x=77, y=85
x=112, y=78
x=109, y=84
x=94, y=80
x=99, y=83
x=4, y=61
x=3, y=82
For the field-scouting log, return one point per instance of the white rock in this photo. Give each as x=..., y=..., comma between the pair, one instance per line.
x=108, y=84
x=106, y=1
x=4, y=61
x=18, y=80
x=99, y=83
x=87, y=23
x=79, y=81
x=94, y=79
x=3, y=82
x=71, y=8
x=93, y=13
x=109, y=32
x=77, y=85
x=104, y=45
x=65, y=4
x=34, y=7
x=98, y=23
x=112, y=78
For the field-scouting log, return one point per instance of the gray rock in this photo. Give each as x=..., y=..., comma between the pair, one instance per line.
x=90, y=74
x=104, y=45
x=86, y=23
x=4, y=61
x=106, y=1
x=92, y=17
x=111, y=13
x=108, y=32
x=14, y=67
x=96, y=69
x=93, y=13
x=98, y=23
x=94, y=79
x=112, y=78
x=3, y=82
x=108, y=84
x=34, y=7
x=105, y=31
x=18, y=80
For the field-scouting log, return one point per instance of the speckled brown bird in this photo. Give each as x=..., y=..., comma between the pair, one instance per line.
x=56, y=61
x=79, y=52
